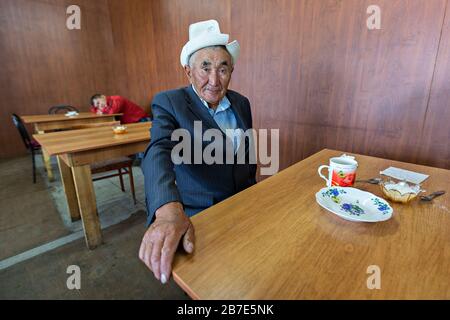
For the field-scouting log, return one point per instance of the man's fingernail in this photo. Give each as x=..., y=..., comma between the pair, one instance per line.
x=190, y=247
x=163, y=278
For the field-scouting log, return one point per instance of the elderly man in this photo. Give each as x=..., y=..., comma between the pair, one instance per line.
x=175, y=192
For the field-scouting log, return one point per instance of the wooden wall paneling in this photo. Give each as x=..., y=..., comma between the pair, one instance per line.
x=435, y=141
x=267, y=68
x=132, y=30
x=313, y=66
x=44, y=63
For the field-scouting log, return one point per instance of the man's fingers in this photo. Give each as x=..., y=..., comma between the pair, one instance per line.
x=155, y=257
x=167, y=253
x=142, y=250
x=145, y=253
x=189, y=239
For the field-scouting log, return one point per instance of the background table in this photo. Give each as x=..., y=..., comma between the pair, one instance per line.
x=273, y=241
x=76, y=151
x=51, y=122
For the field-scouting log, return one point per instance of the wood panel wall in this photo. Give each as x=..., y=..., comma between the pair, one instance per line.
x=310, y=68
x=314, y=70
x=434, y=144
x=44, y=63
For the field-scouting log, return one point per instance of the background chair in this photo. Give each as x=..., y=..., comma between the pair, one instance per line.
x=31, y=144
x=61, y=109
x=119, y=164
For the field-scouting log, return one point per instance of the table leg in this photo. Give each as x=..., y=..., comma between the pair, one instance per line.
x=69, y=189
x=86, y=201
x=47, y=163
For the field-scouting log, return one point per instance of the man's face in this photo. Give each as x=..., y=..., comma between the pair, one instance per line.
x=100, y=102
x=210, y=74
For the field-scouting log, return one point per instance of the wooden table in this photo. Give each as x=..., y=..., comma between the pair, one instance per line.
x=51, y=122
x=273, y=241
x=76, y=151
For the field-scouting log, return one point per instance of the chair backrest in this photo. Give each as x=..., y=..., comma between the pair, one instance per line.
x=61, y=108
x=22, y=130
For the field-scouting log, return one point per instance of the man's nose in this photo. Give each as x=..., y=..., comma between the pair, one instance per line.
x=214, y=78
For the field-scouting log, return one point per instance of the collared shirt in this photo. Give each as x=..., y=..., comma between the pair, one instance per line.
x=225, y=119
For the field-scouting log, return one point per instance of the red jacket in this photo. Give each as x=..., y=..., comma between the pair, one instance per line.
x=116, y=104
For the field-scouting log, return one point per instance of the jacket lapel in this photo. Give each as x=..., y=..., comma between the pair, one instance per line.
x=235, y=106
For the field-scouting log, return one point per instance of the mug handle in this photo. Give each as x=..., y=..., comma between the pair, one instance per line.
x=320, y=172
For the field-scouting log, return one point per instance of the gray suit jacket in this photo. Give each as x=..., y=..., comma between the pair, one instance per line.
x=197, y=186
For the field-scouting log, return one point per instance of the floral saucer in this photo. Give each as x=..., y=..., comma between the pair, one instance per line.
x=354, y=204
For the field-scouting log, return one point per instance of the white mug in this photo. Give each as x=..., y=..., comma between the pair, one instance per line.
x=341, y=171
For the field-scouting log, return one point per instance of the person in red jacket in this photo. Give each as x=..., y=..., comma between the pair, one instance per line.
x=132, y=113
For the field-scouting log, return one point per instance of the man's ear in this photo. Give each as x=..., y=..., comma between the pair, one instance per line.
x=188, y=72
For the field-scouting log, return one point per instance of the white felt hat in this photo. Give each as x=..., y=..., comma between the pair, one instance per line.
x=205, y=34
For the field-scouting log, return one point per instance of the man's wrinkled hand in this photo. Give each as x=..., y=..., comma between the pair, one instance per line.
x=161, y=239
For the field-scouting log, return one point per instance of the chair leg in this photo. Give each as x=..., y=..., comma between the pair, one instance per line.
x=121, y=180
x=130, y=172
x=34, y=165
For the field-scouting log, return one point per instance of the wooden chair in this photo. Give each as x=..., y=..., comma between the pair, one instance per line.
x=119, y=164
x=31, y=144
